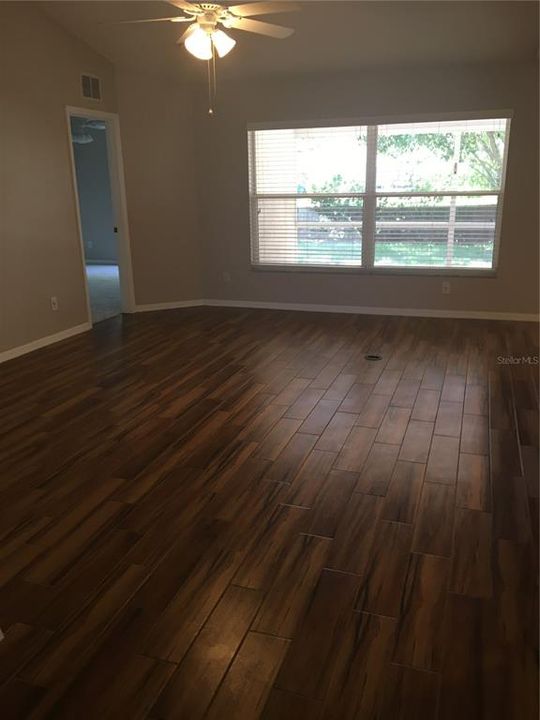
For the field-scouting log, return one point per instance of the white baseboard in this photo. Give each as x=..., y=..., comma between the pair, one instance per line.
x=42, y=342
x=169, y=305
x=368, y=310
x=349, y=309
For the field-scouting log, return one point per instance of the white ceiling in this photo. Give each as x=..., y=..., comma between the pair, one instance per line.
x=329, y=36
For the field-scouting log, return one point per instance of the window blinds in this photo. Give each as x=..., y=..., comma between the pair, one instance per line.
x=416, y=195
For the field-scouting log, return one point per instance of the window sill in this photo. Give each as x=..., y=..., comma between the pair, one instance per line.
x=488, y=273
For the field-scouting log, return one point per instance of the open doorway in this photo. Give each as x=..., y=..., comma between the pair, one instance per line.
x=101, y=208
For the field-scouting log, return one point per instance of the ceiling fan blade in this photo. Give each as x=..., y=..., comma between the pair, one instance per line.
x=261, y=28
x=263, y=8
x=183, y=5
x=186, y=34
x=175, y=18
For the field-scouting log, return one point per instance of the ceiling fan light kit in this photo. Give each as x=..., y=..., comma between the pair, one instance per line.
x=204, y=39
x=222, y=42
x=201, y=43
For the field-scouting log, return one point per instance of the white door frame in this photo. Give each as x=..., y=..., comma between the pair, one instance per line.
x=118, y=196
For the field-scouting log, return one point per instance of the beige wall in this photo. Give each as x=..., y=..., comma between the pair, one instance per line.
x=40, y=68
x=157, y=127
x=40, y=256
x=224, y=183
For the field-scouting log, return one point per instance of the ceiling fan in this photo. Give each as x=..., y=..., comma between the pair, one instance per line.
x=204, y=35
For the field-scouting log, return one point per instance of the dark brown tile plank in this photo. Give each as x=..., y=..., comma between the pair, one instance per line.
x=476, y=682
x=68, y=647
x=331, y=503
x=377, y=470
x=419, y=641
x=382, y=582
x=406, y=392
x=355, y=533
x=435, y=520
x=304, y=403
x=266, y=549
x=404, y=492
x=410, y=694
x=359, y=661
x=19, y=699
x=443, y=460
x=387, y=383
x=453, y=389
x=329, y=607
x=285, y=602
x=531, y=471
x=417, y=441
x=473, y=487
x=311, y=479
x=291, y=392
x=18, y=646
x=291, y=458
x=340, y=387
x=433, y=378
x=373, y=411
x=476, y=400
x=181, y=616
x=319, y=417
x=277, y=438
x=336, y=432
x=282, y=705
x=426, y=405
x=474, y=435
x=209, y=657
x=356, y=398
x=262, y=423
x=449, y=417
x=471, y=564
x=355, y=449
x=511, y=519
x=246, y=686
x=393, y=426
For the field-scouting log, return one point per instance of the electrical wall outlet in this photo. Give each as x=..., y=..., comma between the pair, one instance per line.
x=227, y=277
x=89, y=244
x=446, y=288
x=54, y=303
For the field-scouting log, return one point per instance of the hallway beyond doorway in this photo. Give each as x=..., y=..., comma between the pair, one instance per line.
x=91, y=142
x=104, y=289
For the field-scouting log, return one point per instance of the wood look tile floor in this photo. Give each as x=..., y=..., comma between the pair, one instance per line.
x=223, y=514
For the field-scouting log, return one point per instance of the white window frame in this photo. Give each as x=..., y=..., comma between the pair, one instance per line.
x=371, y=194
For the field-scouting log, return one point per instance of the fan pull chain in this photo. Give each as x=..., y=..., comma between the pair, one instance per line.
x=210, y=109
x=212, y=82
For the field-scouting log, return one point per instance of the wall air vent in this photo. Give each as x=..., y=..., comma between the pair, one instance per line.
x=91, y=87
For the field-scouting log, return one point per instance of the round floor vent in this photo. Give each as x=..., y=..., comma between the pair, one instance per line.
x=373, y=357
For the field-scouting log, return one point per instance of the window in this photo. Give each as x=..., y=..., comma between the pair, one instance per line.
x=417, y=195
